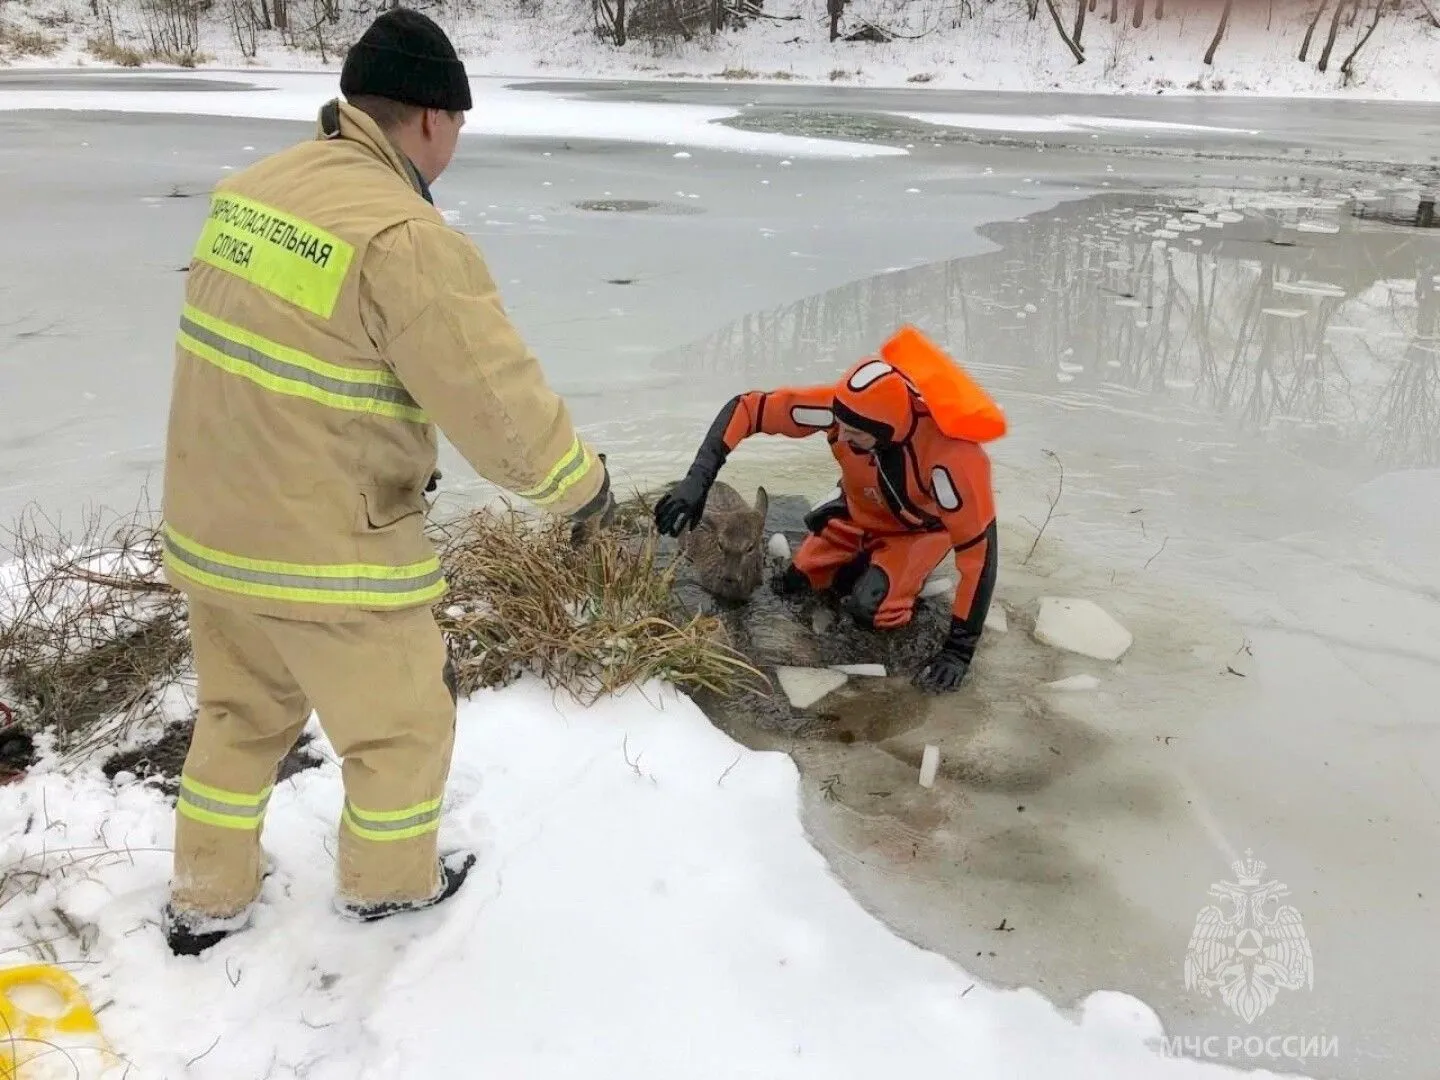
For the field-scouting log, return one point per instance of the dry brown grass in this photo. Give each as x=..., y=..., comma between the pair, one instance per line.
x=90, y=631
x=97, y=638
x=593, y=620
x=111, y=52
x=16, y=41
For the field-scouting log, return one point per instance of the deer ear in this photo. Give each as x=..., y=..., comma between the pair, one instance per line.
x=762, y=503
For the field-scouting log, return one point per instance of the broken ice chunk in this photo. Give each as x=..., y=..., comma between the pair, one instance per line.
x=996, y=620
x=929, y=764
x=1074, y=682
x=805, y=686
x=1081, y=626
x=938, y=586
x=876, y=671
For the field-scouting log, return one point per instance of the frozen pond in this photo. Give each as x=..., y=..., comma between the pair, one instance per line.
x=1235, y=362
x=1242, y=392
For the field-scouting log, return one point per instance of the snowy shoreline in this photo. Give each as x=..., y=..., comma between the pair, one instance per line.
x=995, y=49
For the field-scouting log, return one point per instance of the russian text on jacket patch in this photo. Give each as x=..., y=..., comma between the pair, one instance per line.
x=284, y=255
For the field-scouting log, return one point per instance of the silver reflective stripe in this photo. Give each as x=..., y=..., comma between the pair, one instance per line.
x=424, y=817
x=394, y=395
x=572, y=463
x=945, y=493
x=302, y=581
x=225, y=809
x=869, y=373
x=812, y=416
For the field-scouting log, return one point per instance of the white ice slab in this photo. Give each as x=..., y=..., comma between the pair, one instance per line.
x=805, y=686
x=865, y=670
x=1074, y=682
x=1081, y=626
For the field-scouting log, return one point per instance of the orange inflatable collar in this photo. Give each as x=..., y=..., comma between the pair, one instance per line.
x=960, y=407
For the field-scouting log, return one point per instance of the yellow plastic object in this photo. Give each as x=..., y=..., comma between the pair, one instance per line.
x=46, y=1024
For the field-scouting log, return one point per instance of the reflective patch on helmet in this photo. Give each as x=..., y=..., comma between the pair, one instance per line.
x=868, y=373
x=812, y=416
x=945, y=493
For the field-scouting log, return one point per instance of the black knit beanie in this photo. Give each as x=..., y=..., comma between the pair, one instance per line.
x=405, y=57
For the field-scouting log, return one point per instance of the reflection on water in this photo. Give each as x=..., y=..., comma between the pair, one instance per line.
x=1297, y=316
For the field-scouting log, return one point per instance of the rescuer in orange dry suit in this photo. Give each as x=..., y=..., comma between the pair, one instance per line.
x=906, y=427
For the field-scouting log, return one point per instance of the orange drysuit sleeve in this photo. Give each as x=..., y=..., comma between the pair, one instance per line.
x=960, y=482
x=794, y=412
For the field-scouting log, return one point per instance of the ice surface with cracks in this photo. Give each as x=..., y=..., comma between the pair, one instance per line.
x=646, y=904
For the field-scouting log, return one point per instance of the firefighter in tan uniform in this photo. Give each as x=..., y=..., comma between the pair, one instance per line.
x=332, y=320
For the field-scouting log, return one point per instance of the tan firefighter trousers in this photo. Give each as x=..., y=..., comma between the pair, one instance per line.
x=381, y=688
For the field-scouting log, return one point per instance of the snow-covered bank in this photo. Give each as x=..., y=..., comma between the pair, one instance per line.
x=646, y=905
x=995, y=46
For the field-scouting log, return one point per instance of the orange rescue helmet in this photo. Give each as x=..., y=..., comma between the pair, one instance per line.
x=878, y=393
x=878, y=400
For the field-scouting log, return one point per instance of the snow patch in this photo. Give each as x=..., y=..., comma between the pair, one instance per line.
x=1016, y=122
x=623, y=849
x=498, y=111
x=779, y=547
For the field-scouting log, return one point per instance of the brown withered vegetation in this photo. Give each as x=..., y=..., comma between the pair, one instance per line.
x=94, y=640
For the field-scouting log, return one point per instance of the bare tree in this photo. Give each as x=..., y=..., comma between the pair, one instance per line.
x=1348, y=67
x=1079, y=33
x=1075, y=49
x=1139, y=16
x=1334, y=29
x=1310, y=30
x=245, y=25
x=1219, y=32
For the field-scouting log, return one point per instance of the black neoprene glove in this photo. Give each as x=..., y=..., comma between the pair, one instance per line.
x=946, y=670
x=684, y=505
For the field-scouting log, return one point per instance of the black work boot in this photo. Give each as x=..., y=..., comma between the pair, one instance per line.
x=790, y=582
x=453, y=869
x=190, y=934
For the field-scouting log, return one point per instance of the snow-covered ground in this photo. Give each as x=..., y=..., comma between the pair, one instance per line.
x=646, y=905
x=938, y=43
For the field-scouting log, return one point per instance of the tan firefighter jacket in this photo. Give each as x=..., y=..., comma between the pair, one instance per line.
x=332, y=319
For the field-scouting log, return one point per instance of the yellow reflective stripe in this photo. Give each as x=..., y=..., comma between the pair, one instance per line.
x=284, y=370
x=568, y=472
x=221, y=808
x=321, y=583
x=387, y=825
x=275, y=251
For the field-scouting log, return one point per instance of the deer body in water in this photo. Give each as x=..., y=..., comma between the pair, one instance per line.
x=727, y=549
